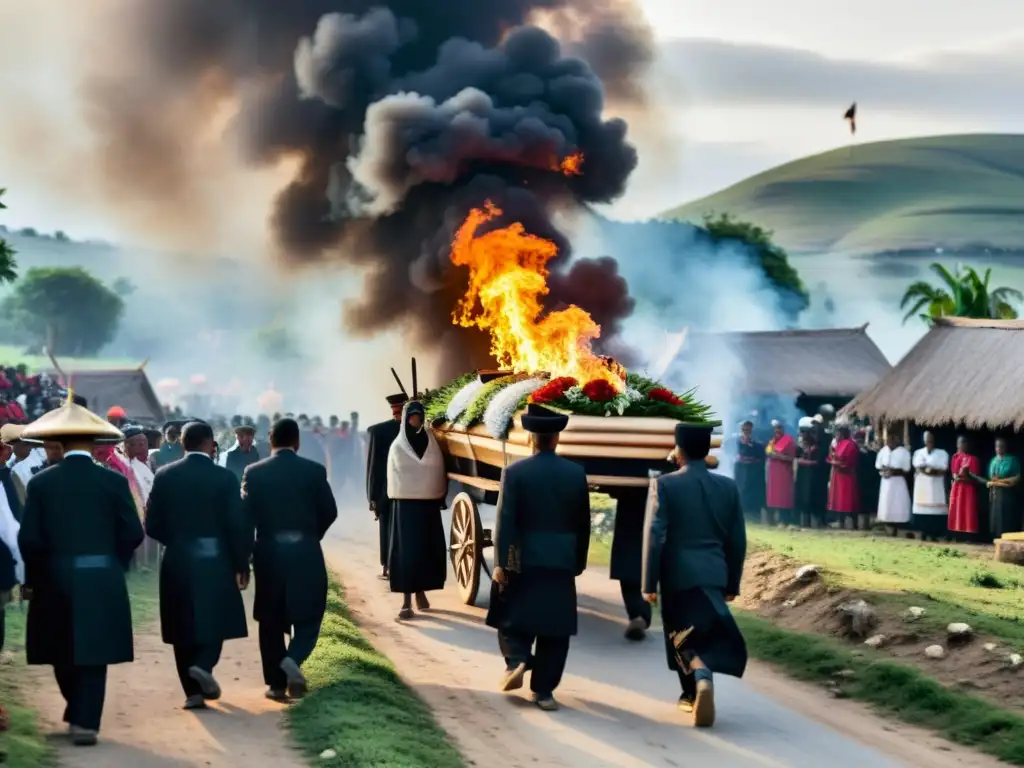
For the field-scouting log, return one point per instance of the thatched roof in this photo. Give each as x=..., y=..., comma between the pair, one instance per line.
x=831, y=363
x=963, y=372
x=128, y=388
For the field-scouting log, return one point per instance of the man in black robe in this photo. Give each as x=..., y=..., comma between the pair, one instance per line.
x=541, y=543
x=79, y=532
x=627, y=558
x=749, y=471
x=694, y=546
x=243, y=452
x=381, y=436
x=195, y=511
x=288, y=501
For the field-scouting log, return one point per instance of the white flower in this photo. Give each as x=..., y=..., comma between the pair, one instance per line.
x=635, y=395
x=460, y=402
x=575, y=394
x=502, y=408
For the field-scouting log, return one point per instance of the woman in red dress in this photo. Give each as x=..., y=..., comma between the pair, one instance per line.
x=843, y=494
x=963, y=498
x=781, y=454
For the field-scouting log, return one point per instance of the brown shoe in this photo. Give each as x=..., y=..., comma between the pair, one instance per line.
x=513, y=679
x=422, y=604
x=704, y=704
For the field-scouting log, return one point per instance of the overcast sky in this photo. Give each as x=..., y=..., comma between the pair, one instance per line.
x=746, y=84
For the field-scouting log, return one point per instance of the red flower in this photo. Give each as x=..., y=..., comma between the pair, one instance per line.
x=663, y=395
x=599, y=391
x=553, y=390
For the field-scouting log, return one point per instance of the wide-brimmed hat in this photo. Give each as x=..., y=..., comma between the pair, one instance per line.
x=11, y=433
x=71, y=421
x=543, y=421
x=395, y=400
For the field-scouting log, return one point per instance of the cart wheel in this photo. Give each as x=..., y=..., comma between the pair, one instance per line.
x=465, y=547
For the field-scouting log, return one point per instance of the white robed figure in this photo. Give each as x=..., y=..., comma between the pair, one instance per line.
x=930, y=503
x=894, y=495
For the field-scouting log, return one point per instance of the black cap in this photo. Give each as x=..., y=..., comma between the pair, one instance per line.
x=398, y=399
x=543, y=421
x=683, y=429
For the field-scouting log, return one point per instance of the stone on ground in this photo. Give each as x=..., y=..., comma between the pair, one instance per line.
x=859, y=617
x=935, y=652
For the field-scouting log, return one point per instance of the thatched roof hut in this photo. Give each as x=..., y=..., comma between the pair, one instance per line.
x=830, y=364
x=128, y=388
x=963, y=372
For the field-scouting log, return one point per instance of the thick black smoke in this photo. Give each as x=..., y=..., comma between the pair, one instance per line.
x=403, y=114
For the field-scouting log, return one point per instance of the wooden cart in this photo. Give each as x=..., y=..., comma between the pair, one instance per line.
x=617, y=452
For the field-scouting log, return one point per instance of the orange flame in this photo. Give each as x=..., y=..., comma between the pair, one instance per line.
x=507, y=278
x=572, y=165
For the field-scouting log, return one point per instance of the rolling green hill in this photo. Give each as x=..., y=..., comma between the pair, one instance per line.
x=962, y=194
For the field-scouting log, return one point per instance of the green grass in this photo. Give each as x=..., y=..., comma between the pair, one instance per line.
x=952, y=583
x=889, y=687
x=23, y=745
x=910, y=194
x=359, y=707
x=14, y=355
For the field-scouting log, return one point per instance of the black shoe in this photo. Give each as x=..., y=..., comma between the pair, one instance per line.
x=195, y=702
x=636, y=629
x=207, y=684
x=277, y=694
x=83, y=737
x=297, y=686
x=547, y=703
x=685, y=704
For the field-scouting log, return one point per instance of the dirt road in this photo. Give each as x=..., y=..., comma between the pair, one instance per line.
x=618, y=698
x=145, y=727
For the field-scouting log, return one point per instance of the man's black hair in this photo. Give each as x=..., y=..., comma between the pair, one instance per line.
x=284, y=433
x=195, y=434
x=696, y=444
x=546, y=441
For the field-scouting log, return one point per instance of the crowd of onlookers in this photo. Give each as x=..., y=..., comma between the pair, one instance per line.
x=840, y=475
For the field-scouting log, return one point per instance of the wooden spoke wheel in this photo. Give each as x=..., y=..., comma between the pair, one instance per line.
x=465, y=546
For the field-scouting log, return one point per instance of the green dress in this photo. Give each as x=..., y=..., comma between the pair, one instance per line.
x=1004, y=508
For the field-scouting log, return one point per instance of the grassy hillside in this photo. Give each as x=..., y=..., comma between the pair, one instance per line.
x=957, y=193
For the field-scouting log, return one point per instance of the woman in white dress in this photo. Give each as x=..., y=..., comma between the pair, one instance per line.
x=894, y=465
x=930, y=506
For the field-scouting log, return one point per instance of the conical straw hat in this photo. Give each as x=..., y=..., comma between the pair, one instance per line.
x=71, y=421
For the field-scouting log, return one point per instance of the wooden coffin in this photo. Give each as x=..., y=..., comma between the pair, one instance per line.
x=616, y=451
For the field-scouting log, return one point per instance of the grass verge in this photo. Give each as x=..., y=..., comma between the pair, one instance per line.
x=889, y=687
x=24, y=745
x=360, y=708
x=952, y=582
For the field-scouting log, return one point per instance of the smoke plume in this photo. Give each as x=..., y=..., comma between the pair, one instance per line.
x=398, y=116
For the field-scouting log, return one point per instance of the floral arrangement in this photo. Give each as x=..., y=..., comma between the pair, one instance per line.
x=468, y=402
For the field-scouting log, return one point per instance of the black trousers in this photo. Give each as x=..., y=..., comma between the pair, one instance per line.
x=203, y=656
x=633, y=599
x=3, y=624
x=545, y=657
x=84, y=689
x=273, y=650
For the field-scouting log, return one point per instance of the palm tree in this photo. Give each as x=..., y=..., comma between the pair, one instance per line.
x=8, y=264
x=964, y=293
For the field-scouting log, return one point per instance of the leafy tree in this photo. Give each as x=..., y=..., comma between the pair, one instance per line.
x=65, y=309
x=29, y=232
x=962, y=293
x=61, y=236
x=774, y=261
x=8, y=262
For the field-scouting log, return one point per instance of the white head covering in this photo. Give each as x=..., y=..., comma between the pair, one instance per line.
x=776, y=423
x=806, y=422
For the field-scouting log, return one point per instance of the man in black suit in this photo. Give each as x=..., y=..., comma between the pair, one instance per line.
x=195, y=511
x=381, y=436
x=541, y=544
x=288, y=501
x=695, y=542
x=79, y=532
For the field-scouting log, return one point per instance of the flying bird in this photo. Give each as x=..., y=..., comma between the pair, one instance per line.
x=851, y=116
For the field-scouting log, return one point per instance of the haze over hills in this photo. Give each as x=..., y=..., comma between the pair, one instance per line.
x=961, y=194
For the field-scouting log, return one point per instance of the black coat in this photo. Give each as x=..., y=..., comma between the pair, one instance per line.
x=289, y=503
x=166, y=454
x=77, y=538
x=11, y=491
x=236, y=460
x=542, y=538
x=694, y=533
x=8, y=572
x=195, y=510
x=381, y=436
x=628, y=537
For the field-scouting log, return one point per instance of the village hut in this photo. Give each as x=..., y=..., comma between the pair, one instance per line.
x=961, y=378
x=129, y=389
x=810, y=368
